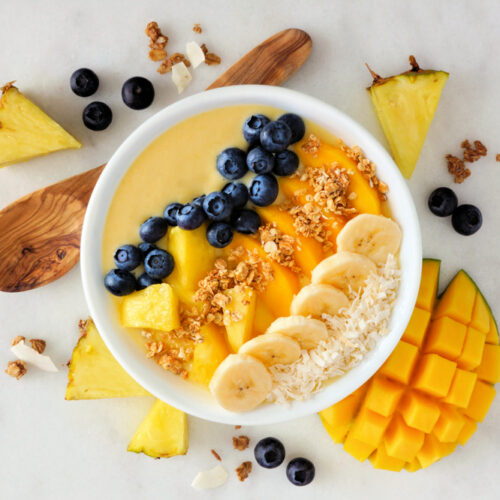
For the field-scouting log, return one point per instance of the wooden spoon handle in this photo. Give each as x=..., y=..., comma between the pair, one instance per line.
x=41, y=232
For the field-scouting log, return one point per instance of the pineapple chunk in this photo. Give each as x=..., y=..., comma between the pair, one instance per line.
x=243, y=306
x=94, y=373
x=154, y=307
x=162, y=434
x=405, y=105
x=26, y=131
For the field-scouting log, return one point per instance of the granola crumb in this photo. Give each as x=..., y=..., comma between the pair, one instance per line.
x=38, y=345
x=241, y=442
x=177, y=57
x=311, y=146
x=16, y=369
x=497, y=157
x=216, y=455
x=237, y=427
x=17, y=339
x=165, y=67
x=210, y=57
x=197, y=28
x=278, y=246
x=244, y=470
x=157, y=54
x=457, y=168
x=473, y=153
x=308, y=220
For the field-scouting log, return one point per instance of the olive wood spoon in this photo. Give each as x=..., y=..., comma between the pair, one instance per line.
x=40, y=232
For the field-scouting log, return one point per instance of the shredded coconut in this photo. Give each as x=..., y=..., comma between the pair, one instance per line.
x=352, y=333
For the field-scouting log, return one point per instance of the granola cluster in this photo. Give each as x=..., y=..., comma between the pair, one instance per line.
x=241, y=443
x=309, y=222
x=197, y=29
x=243, y=471
x=457, y=168
x=157, y=42
x=278, y=246
x=471, y=153
x=210, y=57
x=16, y=369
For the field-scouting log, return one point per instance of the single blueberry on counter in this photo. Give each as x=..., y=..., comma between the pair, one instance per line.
x=190, y=216
x=145, y=280
x=128, y=257
x=238, y=193
x=120, y=282
x=269, y=452
x=260, y=161
x=97, y=116
x=296, y=124
x=467, y=219
x=145, y=248
x=442, y=202
x=252, y=128
x=263, y=190
x=246, y=221
x=84, y=82
x=300, y=471
x=217, y=206
x=285, y=163
x=158, y=264
x=153, y=229
x=138, y=92
x=219, y=234
x=231, y=163
x=275, y=137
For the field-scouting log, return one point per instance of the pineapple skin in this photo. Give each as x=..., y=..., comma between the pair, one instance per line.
x=26, y=131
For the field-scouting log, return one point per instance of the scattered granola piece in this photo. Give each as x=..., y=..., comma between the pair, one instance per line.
x=237, y=427
x=178, y=57
x=312, y=144
x=241, y=442
x=278, y=246
x=210, y=478
x=309, y=221
x=38, y=345
x=473, y=153
x=16, y=369
x=216, y=455
x=165, y=67
x=30, y=355
x=152, y=30
x=497, y=157
x=244, y=470
x=210, y=57
x=157, y=54
x=197, y=28
x=17, y=339
x=159, y=44
x=457, y=168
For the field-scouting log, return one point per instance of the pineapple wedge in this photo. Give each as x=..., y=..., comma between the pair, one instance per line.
x=163, y=433
x=26, y=131
x=239, y=316
x=94, y=373
x=405, y=105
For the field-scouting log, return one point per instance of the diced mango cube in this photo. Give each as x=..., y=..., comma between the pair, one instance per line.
x=383, y=396
x=468, y=429
x=360, y=451
x=434, y=375
x=399, y=365
x=446, y=337
x=449, y=425
x=413, y=466
x=428, y=284
x=239, y=316
x=154, y=307
x=339, y=433
x=419, y=412
x=402, y=442
x=381, y=460
x=489, y=369
x=432, y=450
x=492, y=337
x=458, y=300
x=480, y=401
x=343, y=412
x=472, y=350
x=415, y=331
x=369, y=427
x=461, y=388
x=480, y=314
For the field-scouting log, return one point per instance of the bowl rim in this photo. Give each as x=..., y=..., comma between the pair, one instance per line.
x=163, y=385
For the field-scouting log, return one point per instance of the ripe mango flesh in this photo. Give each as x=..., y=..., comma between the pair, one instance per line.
x=433, y=389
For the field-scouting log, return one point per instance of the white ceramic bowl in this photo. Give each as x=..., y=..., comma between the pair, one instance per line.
x=172, y=389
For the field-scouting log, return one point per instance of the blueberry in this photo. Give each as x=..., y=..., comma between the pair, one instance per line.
x=296, y=124
x=145, y=280
x=217, y=206
x=238, y=193
x=442, y=201
x=198, y=201
x=97, y=116
x=263, y=189
x=260, y=161
x=246, y=221
x=219, y=234
x=269, y=453
x=120, y=282
x=84, y=82
x=145, y=248
x=467, y=219
x=275, y=137
x=300, y=471
x=286, y=163
x=231, y=163
x=138, y=92
x=190, y=216
x=252, y=128
x=153, y=229
x=128, y=257
x=170, y=213
x=158, y=264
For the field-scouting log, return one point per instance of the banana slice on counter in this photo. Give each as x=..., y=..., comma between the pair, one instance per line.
x=374, y=236
x=317, y=299
x=308, y=332
x=344, y=270
x=272, y=349
x=240, y=383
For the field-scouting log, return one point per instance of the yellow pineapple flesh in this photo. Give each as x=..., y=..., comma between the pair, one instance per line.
x=26, y=131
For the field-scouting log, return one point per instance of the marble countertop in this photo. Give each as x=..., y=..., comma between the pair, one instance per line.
x=53, y=449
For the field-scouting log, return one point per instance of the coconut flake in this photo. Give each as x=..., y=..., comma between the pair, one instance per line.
x=181, y=76
x=29, y=355
x=210, y=479
x=195, y=55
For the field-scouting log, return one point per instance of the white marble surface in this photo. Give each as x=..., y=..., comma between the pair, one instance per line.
x=53, y=449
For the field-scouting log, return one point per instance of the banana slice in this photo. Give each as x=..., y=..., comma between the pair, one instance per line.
x=308, y=332
x=272, y=349
x=240, y=383
x=318, y=299
x=374, y=236
x=344, y=270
